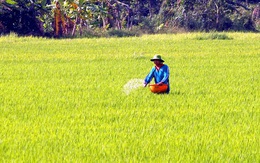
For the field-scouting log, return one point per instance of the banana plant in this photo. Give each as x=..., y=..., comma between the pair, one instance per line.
x=70, y=16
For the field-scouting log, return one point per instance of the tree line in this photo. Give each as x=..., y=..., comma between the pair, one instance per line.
x=66, y=18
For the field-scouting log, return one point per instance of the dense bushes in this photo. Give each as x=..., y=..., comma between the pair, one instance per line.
x=125, y=18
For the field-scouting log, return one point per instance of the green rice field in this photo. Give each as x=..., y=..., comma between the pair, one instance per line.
x=63, y=100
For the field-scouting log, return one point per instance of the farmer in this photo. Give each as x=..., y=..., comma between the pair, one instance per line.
x=160, y=73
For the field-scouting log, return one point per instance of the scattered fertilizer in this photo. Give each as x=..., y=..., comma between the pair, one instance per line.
x=133, y=84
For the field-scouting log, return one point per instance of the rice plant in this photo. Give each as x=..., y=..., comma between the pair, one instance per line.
x=65, y=100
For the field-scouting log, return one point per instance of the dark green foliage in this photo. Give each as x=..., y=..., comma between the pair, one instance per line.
x=213, y=36
x=122, y=33
x=33, y=17
x=21, y=17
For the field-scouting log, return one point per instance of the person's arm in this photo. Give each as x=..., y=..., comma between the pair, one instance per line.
x=149, y=77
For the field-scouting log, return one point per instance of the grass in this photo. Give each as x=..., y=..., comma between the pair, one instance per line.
x=63, y=100
x=213, y=36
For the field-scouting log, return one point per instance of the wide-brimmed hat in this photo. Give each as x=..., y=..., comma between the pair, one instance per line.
x=157, y=57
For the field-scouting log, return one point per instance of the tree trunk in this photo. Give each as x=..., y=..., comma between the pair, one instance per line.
x=217, y=16
x=75, y=26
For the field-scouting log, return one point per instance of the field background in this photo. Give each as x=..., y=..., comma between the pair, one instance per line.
x=63, y=100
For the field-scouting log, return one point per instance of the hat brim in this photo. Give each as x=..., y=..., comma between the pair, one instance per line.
x=157, y=60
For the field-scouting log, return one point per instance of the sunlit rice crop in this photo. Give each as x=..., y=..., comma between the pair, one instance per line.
x=65, y=101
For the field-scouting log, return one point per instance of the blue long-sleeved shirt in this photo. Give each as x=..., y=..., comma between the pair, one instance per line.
x=161, y=75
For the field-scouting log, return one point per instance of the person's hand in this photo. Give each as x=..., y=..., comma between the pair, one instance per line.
x=145, y=84
x=159, y=83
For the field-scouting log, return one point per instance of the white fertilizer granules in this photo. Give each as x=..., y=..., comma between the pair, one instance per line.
x=133, y=84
